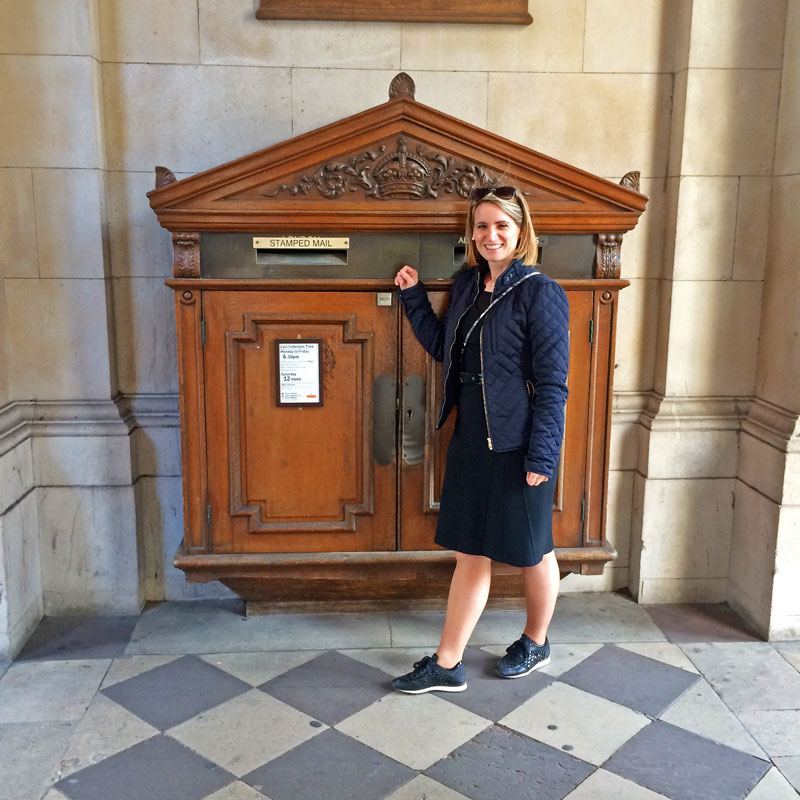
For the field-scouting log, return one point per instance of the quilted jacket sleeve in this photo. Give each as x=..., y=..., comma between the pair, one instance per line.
x=548, y=327
x=428, y=328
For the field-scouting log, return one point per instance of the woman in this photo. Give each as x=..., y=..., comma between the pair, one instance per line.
x=504, y=342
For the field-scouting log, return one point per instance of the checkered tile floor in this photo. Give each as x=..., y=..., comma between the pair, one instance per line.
x=112, y=709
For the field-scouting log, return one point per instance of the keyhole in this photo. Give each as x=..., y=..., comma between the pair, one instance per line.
x=410, y=413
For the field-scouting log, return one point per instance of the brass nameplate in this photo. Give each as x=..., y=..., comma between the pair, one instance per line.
x=300, y=243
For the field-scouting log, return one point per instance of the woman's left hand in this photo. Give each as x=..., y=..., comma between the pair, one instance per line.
x=534, y=478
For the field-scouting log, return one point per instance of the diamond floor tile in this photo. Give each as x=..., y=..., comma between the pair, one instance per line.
x=498, y=764
x=629, y=679
x=585, y=725
x=424, y=788
x=246, y=732
x=330, y=687
x=414, y=730
x=157, y=769
x=684, y=766
x=171, y=694
x=602, y=785
x=329, y=766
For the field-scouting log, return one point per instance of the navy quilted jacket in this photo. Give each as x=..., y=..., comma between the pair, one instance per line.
x=525, y=356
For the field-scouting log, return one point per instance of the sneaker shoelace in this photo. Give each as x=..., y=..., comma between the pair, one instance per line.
x=517, y=649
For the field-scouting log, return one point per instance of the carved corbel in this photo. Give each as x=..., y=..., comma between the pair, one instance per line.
x=608, y=262
x=186, y=255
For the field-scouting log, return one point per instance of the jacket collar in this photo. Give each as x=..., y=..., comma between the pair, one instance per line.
x=512, y=274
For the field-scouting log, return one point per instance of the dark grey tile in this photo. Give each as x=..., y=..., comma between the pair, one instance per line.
x=156, y=769
x=331, y=766
x=701, y=622
x=640, y=683
x=171, y=694
x=487, y=694
x=684, y=766
x=79, y=638
x=330, y=687
x=498, y=764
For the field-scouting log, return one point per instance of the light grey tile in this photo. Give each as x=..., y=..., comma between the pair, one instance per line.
x=582, y=724
x=106, y=729
x=425, y=788
x=49, y=691
x=383, y=726
x=790, y=767
x=209, y=627
x=237, y=791
x=29, y=755
x=773, y=786
x=747, y=675
x=246, y=732
x=257, y=668
x=131, y=666
x=665, y=652
x=601, y=617
x=701, y=711
x=602, y=785
x=776, y=730
x=54, y=794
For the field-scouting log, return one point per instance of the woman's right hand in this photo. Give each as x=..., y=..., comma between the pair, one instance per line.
x=406, y=277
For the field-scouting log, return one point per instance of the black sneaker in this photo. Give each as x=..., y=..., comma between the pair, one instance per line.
x=523, y=657
x=428, y=676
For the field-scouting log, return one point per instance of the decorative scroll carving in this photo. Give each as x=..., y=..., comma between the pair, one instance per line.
x=164, y=177
x=630, y=180
x=402, y=85
x=400, y=173
x=608, y=263
x=186, y=255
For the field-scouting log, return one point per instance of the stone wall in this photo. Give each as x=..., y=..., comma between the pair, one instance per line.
x=690, y=92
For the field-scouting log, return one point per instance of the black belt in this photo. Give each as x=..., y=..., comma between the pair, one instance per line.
x=472, y=377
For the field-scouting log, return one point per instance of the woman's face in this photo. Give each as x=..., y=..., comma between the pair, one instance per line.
x=495, y=234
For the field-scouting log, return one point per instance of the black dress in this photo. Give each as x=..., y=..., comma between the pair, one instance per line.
x=487, y=507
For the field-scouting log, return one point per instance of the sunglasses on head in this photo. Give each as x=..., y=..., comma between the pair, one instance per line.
x=503, y=192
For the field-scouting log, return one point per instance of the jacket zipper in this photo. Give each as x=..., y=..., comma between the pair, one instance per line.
x=480, y=347
x=483, y=392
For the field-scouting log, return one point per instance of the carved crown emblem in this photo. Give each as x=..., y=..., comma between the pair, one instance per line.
x=401, y=174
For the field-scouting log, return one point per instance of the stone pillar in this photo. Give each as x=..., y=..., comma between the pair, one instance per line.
x=724, y=116
x=765, y=552
x=68, y=540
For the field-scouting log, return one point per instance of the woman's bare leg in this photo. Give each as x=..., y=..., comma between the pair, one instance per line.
x=469, y=590
x=541, y=590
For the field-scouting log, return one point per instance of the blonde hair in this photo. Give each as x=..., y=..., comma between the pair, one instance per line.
x=516, y=207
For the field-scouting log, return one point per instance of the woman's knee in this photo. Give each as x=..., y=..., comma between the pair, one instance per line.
x=473, y=562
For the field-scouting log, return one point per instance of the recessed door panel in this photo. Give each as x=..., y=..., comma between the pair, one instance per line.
x=298, y=478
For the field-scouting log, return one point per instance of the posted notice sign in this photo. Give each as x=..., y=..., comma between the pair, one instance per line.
x=299, y=372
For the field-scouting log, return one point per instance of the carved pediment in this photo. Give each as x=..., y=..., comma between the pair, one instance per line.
x=398, y=165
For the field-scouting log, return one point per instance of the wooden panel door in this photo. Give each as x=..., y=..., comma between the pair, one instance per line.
x=422, y=448
x=300, y=479
x=421, y=473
